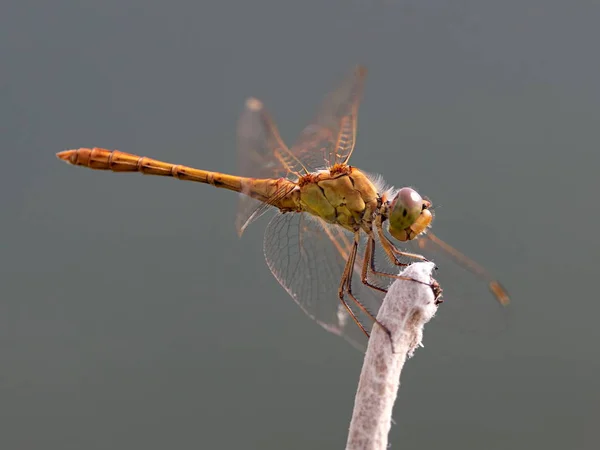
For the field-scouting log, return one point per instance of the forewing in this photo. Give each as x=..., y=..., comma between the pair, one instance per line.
x=331, y=137
x=307, y=257
x=329, y=140
x=261, y=154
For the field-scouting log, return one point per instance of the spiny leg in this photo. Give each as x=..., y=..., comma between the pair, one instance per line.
x=349, y=268
x=369, y=263
x=390, y=249
x=347, y=283
x=406, y=254
x=371, y=259
x=349, y=278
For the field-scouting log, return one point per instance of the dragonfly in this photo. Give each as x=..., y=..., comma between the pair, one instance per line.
x=333, y=241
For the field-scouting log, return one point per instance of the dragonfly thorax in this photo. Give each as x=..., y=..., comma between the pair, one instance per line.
x=343, y=195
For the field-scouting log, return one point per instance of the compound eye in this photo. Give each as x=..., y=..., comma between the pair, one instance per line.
x=405, y=208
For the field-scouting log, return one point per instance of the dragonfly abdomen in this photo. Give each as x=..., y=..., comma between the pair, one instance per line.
x=278, y=192
x=117, y=161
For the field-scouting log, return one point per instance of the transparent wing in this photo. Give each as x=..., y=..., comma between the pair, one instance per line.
x=331, y=137
x=328, y=140
x=307, y=257
x=261, y=154
x=474, y=303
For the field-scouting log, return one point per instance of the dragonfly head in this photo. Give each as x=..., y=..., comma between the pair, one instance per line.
x=409, y=214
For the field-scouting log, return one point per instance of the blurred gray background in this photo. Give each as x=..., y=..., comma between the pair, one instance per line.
x=131, y=315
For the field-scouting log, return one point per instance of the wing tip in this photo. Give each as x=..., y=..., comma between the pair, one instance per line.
x=254, y=104
x=361, y=70
x=500, y=293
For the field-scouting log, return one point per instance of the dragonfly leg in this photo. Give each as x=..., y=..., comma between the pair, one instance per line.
x=369, y=261
x=341, y=291
x=390, y=249
x=346, y=288
x=369, y=264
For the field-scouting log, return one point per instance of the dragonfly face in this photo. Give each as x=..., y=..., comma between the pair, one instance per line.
x=409, y=215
